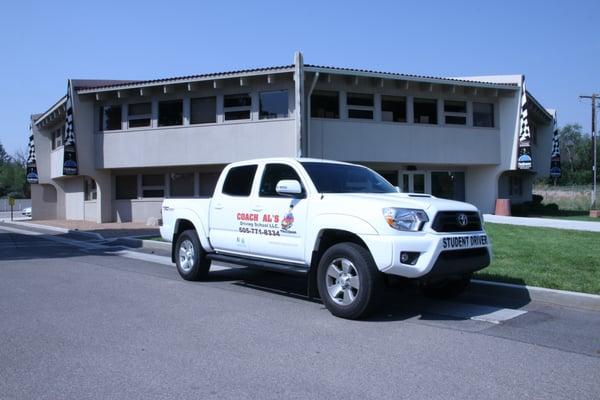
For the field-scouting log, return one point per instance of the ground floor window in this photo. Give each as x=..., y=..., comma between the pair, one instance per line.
x=153, y=185
x=89, y=189
x=126, y=187
x=181, y=184
x=448, y=185
x=208, y=181
x=515, y=186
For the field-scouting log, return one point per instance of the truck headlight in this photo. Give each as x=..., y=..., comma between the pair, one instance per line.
x=405, y=219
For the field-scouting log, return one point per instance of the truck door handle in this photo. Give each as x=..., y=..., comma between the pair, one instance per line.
x=218, y=206
x=257, y=208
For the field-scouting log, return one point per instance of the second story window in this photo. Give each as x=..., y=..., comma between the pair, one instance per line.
x=393, y=109
x=203, y=110
x=139, y=115
x=237, y=106
x=170, y=113
x=360, y=105
x=425, y=111
x=110, y=118
x=273, y=104
x=58, y=137
x=483, y=114
x=325, y=104
x=455, y=112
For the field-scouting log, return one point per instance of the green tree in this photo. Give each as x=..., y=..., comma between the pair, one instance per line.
x=12, y=175
x=576, y=155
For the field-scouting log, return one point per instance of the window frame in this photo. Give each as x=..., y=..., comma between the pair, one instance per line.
x=237, y=108
x=493, y=114
x=287, y=103
x=139, y=116
x=191, y=100
x=276, y=195
x=394, y=98
x=171, y=180
x=324, y=93
x=357, y=107
x=223, y=192
x=153, y=187
x=176, y=100
x=61, y=130
x=137, y=194
x=102, y=122
x=90, y=189
x=454, y=113
x=427, y=100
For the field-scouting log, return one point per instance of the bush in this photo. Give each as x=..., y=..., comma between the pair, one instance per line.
x=551, y=209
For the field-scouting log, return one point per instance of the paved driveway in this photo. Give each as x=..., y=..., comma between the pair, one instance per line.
x=82, y=323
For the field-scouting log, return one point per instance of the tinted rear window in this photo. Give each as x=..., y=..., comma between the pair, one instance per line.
x=239, y=180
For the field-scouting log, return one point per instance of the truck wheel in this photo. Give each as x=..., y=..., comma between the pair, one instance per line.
x=349, y=282
x=448, y=288
x=190, y=257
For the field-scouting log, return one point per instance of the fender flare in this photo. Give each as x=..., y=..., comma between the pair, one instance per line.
x=187, y=214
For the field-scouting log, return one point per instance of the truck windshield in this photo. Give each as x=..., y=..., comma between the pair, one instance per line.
x=341, y=178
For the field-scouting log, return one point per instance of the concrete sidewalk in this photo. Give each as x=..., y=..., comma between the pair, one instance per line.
x=544, y=222
x=101, y=231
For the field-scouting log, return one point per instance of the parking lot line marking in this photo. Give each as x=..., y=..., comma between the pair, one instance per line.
x=476, y=312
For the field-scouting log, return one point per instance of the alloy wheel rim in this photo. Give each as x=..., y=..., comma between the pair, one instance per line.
x=186, y=255
x=343, y=281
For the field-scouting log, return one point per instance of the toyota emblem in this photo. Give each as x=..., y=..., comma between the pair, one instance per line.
x=462, y=219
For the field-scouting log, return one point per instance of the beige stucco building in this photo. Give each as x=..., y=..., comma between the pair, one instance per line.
x=140, y=141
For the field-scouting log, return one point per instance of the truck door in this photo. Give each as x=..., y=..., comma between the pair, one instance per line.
x=231, y=213
x=283, y=218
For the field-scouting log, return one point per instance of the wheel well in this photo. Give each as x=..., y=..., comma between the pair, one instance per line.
x=326, y=239
x=181, y=225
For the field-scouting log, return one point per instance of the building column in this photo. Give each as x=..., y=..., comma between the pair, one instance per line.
x=104, y=196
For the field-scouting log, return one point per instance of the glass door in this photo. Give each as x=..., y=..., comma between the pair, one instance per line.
x=414, y=182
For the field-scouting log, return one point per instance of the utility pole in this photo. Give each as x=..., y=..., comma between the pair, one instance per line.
x=593, y=97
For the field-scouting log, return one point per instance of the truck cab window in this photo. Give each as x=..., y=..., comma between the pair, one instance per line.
x=239, y=181
x=272, y=175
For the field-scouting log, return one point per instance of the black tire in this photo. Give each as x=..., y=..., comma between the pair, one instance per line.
x=448, y=288
x=364, y=299
x=191, y=266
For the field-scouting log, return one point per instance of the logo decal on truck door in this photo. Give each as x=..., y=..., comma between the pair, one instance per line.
x=288, y=220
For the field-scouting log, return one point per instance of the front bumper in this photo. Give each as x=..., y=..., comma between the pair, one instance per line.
x=434, y=260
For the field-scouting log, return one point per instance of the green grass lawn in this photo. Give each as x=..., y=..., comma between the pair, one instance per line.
x=546, y=257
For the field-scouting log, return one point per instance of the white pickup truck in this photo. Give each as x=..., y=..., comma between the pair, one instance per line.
x=341, y=225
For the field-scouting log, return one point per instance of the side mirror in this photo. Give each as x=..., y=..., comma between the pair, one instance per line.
x=288, y=187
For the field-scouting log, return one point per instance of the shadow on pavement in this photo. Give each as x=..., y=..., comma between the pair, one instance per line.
x=401, y=301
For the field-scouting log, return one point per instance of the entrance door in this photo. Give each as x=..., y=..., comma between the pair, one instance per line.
x=414, y=182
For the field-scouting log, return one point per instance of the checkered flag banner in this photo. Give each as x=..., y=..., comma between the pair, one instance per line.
x=31, y=176
x=70, y=155
x=524, y=159
x=555, y=171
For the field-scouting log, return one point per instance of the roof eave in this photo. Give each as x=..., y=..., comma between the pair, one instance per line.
x=190, y=79
x=411, y=78
x=51, y=110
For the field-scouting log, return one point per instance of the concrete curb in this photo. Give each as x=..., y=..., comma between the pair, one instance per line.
x=146, y=244
x=563, y=298
x=54, y=229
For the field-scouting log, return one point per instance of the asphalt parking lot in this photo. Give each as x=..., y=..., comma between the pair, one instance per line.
x=82, y=322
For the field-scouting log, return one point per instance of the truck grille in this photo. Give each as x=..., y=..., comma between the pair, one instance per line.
x=452, y=221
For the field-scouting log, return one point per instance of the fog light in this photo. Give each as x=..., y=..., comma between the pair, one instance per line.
x=409, y=257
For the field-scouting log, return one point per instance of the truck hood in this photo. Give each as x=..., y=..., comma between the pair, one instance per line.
x=425, y=202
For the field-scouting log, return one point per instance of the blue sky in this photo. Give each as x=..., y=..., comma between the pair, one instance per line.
x=555, y=44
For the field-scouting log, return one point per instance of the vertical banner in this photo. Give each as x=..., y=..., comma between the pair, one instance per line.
x=32, y=175
x=70, y=155
x=555, y=171
x=524, y=159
